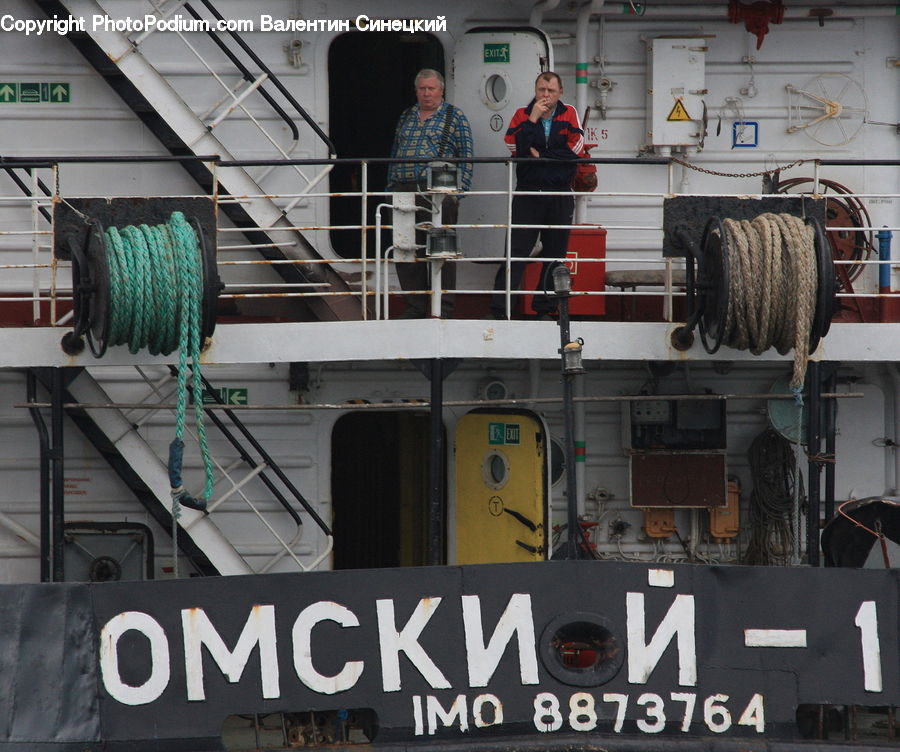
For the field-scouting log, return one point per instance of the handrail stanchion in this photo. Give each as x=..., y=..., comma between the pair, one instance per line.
x=379, y=276
x=364, y=199
x=35, y=251
x=509, y=200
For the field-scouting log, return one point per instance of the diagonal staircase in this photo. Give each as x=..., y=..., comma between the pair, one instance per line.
x=180, y=130
x=146, y=475
x=115, y=433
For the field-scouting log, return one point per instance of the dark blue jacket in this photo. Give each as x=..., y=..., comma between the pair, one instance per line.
x=564, y=145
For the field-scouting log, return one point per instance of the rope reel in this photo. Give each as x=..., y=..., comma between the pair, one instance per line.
x=760, y=283
x=126, y=284
x=154, y=287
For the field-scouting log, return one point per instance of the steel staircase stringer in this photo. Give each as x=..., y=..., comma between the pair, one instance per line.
x=181, y=131
x=117, y=440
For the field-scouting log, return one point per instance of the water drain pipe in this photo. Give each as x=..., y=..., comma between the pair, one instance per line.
x=582, y=26
x=537, y=12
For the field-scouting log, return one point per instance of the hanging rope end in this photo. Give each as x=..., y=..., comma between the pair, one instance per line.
x=180, y=496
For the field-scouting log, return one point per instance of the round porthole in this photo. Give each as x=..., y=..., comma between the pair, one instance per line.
x=495, y=88
x=496, y=91
x=581, y=649
x=557, y=462
x=495, y=469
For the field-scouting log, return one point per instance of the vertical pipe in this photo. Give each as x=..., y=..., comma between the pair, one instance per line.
x=813, y=445
x=508, y=263
x=894, y=374
x=580, y=447
x=436, y=467
x=572, y=525
x=35, y=249
x=537, y=12
x=582, y=26
x=830, y=442
x=58, y=512
x=884, y=256
x=363, y=238
x=43, y=441
x=887, y=380
x=434, y=267
x=888, y=304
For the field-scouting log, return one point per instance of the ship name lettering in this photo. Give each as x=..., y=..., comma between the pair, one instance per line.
x=259, y=633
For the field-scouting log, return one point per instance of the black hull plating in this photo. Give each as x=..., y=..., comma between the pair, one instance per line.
x=688, y=657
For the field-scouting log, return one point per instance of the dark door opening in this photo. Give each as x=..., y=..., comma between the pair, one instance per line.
x=379, y=489
x=370, y=82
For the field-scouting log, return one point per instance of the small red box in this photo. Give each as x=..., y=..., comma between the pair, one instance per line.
x=584, y=243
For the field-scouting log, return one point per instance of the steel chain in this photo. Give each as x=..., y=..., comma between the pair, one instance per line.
x=739, y=174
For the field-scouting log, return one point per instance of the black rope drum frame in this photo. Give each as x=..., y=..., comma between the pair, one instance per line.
x=694, y=229
x=79, y=235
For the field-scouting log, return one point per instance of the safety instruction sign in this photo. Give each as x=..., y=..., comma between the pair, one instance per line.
x=496, y=52
x=35, y=92
x=678, y=112
x=230, y=395
x=504, y=433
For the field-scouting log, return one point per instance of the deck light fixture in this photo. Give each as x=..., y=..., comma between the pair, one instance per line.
x=571, y=357
x=440, y=243
x=562, y=280
x=442, y=177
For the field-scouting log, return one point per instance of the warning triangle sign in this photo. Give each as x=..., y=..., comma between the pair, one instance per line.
x=678, y=112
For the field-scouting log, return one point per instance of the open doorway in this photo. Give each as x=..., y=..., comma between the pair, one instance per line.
x=370, y=82
x=379, y=489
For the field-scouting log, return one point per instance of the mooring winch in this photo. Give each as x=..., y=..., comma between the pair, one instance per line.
x=760, y=274
x=145, y=275
x=102, y=237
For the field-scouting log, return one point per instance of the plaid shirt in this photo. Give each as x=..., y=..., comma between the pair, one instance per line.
x=413, y=138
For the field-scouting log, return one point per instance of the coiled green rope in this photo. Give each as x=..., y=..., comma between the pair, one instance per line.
x=156, y=287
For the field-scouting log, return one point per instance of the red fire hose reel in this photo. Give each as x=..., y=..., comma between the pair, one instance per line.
x=756, y=16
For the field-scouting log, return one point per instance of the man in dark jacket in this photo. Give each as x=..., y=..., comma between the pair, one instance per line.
x=549, y=129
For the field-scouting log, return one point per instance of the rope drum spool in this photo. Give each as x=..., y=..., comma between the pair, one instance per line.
x=761, y=283
x=131, y=284
x=154, y=287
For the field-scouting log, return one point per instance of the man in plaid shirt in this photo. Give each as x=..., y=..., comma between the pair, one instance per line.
x=432, y=129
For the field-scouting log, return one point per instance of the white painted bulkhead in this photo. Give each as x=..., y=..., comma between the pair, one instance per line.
x=96, y=122
x=300, y=442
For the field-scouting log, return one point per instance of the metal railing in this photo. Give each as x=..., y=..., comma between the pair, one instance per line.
x=34, y=275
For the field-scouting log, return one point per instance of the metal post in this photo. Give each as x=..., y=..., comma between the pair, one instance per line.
x=830, y=441
x=436, y=467
x=44, y=441
x=813, y=446
x=56, y=458
x=562, y=285
x=437, y=266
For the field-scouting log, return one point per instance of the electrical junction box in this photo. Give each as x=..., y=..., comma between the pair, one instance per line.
x=651, y=413
x=659, y=523
x=725, y=522
x=675, y=92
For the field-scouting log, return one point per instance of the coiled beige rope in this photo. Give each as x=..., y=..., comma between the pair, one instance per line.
x=772, y=287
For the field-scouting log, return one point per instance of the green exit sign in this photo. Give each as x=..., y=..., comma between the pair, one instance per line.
x=229, y=395
x=35, y=92
x=504, y=434
x=496, y=52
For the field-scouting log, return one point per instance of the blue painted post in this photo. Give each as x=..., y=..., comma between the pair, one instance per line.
x=888, y=304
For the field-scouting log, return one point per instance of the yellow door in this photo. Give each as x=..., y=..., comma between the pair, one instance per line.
x=500, y=488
